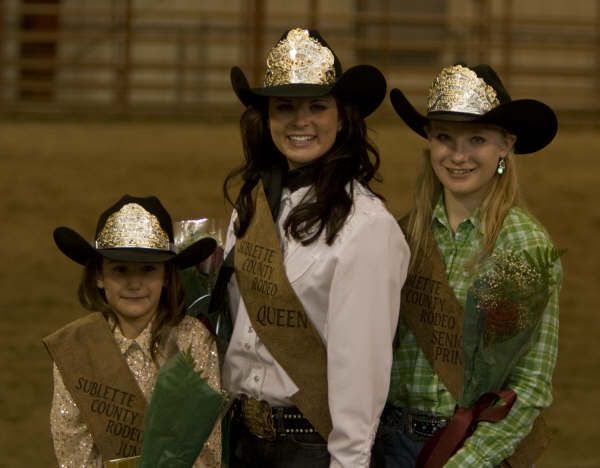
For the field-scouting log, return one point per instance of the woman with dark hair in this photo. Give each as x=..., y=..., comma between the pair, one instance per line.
x=318, y=262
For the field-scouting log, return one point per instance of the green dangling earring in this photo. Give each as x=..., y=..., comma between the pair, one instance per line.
x=501, y=166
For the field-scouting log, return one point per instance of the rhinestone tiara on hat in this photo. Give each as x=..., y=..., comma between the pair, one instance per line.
x=299, y=59
x=459, y=89
x=133, y=227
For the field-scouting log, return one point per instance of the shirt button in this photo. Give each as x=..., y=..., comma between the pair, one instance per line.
x=247, y=347
x=256, y=378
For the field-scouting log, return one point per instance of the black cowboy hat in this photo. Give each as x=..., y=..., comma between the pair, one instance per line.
x=362, y=85
x=134, y=229
x=532, y=122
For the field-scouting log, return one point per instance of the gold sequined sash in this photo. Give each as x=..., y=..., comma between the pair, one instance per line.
x=97, y=376
x=278, y=316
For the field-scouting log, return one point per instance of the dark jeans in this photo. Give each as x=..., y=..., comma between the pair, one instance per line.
x=396, y=448
x=290, y=451
x=293, y=451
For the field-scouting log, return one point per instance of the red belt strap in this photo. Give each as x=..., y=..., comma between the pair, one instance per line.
x=447, y=440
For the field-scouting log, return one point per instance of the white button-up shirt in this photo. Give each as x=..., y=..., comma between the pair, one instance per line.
x=350, y=291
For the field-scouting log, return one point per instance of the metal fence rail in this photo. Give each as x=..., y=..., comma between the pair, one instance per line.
x=117, y=57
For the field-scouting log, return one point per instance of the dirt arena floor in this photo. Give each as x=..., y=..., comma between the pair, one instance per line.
x=65, y=173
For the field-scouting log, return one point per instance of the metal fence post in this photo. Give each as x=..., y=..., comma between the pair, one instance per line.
x=123, y=65
x=507, y=42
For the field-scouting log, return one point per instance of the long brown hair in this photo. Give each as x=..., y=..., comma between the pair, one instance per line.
x=170, y=311
x=503, y=194
x=352, y=157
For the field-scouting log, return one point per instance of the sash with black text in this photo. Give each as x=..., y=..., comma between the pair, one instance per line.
x=435, y=317
x=97, y=376
x=278, y=316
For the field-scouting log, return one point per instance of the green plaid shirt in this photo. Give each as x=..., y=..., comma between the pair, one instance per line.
x=415, y=385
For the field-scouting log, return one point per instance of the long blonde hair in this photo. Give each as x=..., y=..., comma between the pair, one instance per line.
x=503, y=194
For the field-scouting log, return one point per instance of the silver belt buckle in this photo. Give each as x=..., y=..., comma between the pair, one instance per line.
x=410, y=425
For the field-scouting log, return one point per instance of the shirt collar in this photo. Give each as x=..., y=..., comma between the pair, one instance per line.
x=439, y=215
x=142, y=341
x=296, y=196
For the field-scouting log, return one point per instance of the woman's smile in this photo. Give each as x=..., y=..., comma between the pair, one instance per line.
x=301, y=141
x=303, y=129
x=464, y=158
x=455, y=172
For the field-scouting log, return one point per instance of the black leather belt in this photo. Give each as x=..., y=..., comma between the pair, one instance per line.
x=417, y=425
x=270, y=422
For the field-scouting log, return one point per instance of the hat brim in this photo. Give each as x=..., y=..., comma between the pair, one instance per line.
x=532, y=122
x=74, y=246
x=195, y=253
x=407, y=112
x=129, y=254
x=362, y=85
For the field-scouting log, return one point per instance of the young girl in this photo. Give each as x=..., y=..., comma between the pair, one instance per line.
x=318, y=261
x=106, y=363
x=480, y=307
